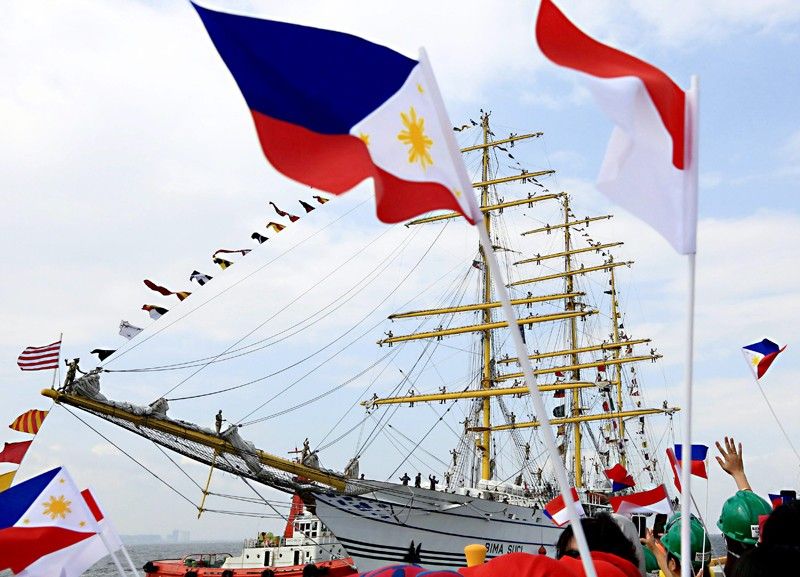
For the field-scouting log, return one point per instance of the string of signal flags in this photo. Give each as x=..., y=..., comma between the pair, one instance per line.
x=223, y=258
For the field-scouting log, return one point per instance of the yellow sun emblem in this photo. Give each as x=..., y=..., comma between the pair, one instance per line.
x=57, y=507
x=414, y=136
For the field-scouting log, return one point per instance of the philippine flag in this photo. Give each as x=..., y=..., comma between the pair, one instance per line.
x=652, y=501
x=760, y=356
x=332, y=110
x=44, y=523
x=557, y=511
x=649, y=165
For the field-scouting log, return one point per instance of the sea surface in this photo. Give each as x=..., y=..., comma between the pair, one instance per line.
x=141, y=554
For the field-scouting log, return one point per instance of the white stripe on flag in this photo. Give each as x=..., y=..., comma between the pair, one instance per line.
x=40, y=358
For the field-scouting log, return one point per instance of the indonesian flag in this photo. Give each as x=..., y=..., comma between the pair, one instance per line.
x=44, y=524
x=557, y=511
x=652, y=501
x=97, y=546
x=649, y=167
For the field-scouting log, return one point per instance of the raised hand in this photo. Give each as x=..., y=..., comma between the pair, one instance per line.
x=732, y=462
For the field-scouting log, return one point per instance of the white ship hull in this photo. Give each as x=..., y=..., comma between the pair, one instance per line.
x=385, y=526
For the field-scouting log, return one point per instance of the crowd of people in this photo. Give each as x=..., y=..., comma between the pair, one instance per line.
x=760, y=542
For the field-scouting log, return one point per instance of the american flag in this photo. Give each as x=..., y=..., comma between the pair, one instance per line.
x=40, y=358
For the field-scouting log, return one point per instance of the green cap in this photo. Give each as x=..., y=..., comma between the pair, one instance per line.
x=650, y=561
x=739, y=517
x=700, y=545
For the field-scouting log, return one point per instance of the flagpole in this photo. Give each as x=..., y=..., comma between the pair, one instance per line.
x=103, y=538
x=538, y=402
x=691, y=185
x=499, y=283
x=58, y=361
x=128, y=558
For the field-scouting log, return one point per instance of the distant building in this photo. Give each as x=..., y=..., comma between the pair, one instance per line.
x=178, y=536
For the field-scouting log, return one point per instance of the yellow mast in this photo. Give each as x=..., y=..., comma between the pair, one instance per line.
x=486, y=380
x=573, y=340
x=617, y=371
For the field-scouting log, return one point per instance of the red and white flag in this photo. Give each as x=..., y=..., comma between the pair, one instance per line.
x=40, y=358
x=557, y=511
x=652, y=501
x=650, y=167
x=106, y=541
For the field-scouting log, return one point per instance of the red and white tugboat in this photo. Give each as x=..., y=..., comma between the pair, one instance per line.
x=306, y=549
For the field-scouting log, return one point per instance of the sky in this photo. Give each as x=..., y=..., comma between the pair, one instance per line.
x=128, y=153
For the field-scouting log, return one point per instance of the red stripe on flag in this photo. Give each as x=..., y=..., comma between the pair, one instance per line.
x=29, y=422
x=40, y=358
x=20, y=546
x=565, y=44
x=337, y=162
x=92, y=504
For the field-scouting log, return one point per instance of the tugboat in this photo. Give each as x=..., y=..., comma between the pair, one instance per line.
x=307, y=548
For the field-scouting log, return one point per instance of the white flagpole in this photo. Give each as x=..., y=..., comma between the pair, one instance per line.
x=511, y=317
x=128, y=558
x=120, y=570
x=691, y=184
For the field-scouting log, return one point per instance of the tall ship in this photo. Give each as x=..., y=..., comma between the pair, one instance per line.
x=495, y=475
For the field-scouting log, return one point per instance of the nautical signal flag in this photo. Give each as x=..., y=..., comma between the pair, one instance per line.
x=652, y=501
x=14, y=452
x=320, y=199
x=307, y=207
x=332, y=109
x=43, y=522
x=6, y=479
x=292, y=217
x=761, y=355
x=29, y=422
x=223, y=264
x=557, y=511
x=40, y=358
x=165, y=291
x=154, y=311
x=259, y=238
x=103, y=354
x=128, y=330
x=276, y=226
x=649, y=152
x=199, y=277
x=619, y=477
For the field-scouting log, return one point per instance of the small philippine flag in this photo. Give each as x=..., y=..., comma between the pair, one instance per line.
x=760, y=356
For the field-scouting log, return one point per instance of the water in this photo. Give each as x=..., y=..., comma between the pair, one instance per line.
x=141, y=554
